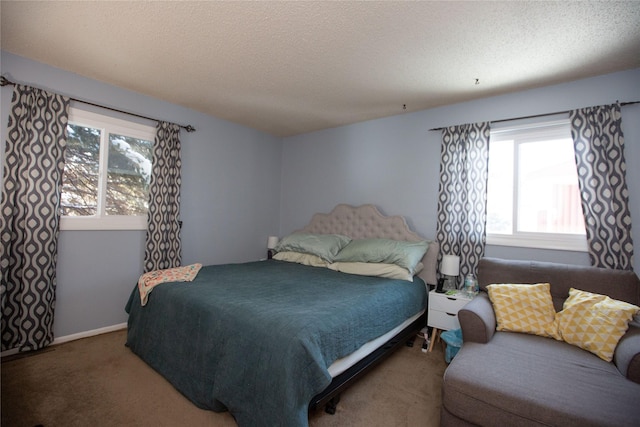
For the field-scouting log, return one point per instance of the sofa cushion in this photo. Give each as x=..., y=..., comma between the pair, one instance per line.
x=623, y=285
x=594, y=322
x=524, y=308
x=527, y=380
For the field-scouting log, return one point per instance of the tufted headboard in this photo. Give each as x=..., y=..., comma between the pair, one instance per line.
x=366, y=221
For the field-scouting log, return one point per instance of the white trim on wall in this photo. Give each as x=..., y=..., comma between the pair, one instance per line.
x=74, y=337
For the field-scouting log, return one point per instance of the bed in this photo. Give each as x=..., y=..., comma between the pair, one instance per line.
x=270, y=340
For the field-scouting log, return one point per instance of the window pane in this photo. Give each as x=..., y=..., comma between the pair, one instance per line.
x=549, y=199
x=128, y=175
x=500, y=188
x=80, y=178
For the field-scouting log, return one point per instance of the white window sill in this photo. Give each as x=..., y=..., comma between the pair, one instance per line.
x=566, y=242
x=104, y=223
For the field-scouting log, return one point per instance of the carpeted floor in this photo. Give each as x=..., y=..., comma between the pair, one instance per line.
x=98, y=382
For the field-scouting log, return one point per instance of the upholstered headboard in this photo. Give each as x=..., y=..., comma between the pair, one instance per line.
x=366, y=221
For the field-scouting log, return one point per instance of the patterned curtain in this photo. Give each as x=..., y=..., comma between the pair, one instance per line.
x=34, y=162
x=163, y=248
x=462, y=195
x=599, y=150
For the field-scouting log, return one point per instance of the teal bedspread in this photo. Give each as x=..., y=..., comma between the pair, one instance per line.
x=257, y=338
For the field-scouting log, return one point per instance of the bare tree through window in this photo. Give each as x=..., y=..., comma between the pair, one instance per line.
x=128, y=173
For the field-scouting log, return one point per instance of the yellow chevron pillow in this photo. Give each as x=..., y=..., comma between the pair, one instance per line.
x=524, y=308
x=594, y=322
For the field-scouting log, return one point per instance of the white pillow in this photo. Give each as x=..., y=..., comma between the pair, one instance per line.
x=301, y=258
x=391, y=271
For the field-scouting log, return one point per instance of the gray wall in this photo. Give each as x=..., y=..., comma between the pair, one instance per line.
x=241, y=185
x=230, y=200
x=394, y=162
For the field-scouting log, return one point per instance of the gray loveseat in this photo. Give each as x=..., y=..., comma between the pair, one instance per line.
x=514, y=379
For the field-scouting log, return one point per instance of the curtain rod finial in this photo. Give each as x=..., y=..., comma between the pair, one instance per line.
x=190, y=128
x=4, y=81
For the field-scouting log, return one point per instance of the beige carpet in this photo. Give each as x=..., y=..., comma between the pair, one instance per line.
x=98, y=381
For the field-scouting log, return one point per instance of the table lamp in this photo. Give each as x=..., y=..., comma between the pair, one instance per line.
x=272, y=242
x=450, y=267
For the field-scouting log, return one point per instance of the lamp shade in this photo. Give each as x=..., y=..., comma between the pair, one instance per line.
x=450, y=265
x=272, y=242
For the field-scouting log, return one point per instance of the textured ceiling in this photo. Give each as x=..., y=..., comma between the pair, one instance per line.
x=292, y=67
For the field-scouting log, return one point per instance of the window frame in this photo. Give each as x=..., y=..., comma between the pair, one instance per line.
x=528, y=133
x=107, y=125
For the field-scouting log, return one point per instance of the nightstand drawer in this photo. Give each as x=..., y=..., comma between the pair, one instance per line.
x=443, y=309
x=450, y=304
x=443, y=320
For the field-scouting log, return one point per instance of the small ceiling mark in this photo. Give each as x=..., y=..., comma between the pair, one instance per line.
x=477, y=82
x=404, y=106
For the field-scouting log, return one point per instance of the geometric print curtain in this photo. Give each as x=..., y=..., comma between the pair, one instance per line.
x=163, y=248
x=29, y=215
x=462, y=194
x=599, y=152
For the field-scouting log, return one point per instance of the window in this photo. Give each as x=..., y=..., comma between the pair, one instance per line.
x=107, y=173
x=533, y=196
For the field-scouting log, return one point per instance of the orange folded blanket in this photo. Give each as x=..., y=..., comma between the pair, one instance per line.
x=149, y=280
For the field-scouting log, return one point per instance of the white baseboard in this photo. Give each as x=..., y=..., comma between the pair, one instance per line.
x=74, y=337
x=90, y=333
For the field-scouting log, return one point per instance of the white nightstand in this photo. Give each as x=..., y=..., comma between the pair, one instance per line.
x=443, y=312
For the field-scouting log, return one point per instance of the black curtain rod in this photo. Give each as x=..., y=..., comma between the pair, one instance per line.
x=4, y=82
x=540, y=115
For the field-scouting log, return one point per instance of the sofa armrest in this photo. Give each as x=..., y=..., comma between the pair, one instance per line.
x=627, y=354
x=478, y=320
